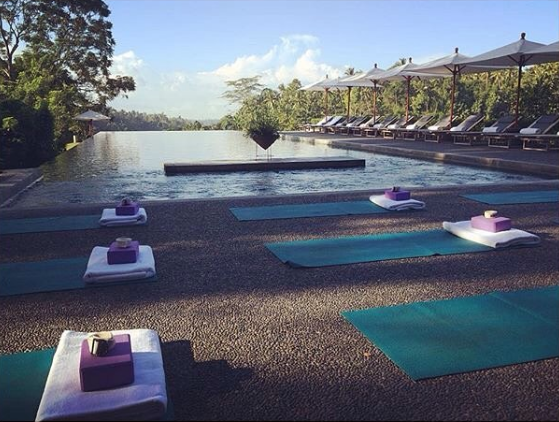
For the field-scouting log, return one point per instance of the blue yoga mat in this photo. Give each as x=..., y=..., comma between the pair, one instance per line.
x=377, y=247
x=49, y=224
x=22, y=381
x=508, y=198
x=48, y=276
x=432, y=339
x=324, y=209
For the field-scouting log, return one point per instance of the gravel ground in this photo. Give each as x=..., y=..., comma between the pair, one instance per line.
x=246, y=337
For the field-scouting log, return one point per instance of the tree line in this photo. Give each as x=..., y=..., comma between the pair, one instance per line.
x=490, y=93
x=55, y=57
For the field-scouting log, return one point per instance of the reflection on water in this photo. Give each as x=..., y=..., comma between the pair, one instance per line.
x=117, y=164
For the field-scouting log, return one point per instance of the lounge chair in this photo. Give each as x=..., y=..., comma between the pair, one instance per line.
x=389, y=131
x=346, y=130
x=360, y=130
x=539, y=127
x=335, y=128
x=375, y=130
x=412, y=130
x=311, y=127
x=333, y=121
x=440, y=130
x=502, y=125
x=541, y=141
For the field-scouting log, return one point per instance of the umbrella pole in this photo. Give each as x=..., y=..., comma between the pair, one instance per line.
x=408, y=79
x=348, y=101
x=326, y=102
x=452, y=97
x=374, y=102
x=518, y=93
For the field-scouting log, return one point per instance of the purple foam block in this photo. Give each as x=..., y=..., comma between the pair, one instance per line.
x=492, y=224
x=400, y=195
x=128, y=255
x=115, y=369
x=130, y=209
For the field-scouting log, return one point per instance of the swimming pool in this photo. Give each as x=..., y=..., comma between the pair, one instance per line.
x=117, y=164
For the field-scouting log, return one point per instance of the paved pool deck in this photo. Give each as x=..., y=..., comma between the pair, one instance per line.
x=542, y=163
x=246, y=337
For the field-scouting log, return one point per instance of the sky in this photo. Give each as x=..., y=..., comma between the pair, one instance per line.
x=181, y=52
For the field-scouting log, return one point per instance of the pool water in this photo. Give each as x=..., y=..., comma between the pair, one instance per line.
x=117, y=164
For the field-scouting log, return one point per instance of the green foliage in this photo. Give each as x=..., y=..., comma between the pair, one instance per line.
x=27, y=135
x=242, y=89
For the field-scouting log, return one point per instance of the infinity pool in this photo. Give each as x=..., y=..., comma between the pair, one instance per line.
x=117, y=164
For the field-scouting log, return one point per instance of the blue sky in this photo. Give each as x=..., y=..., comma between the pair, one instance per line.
x=181, y=52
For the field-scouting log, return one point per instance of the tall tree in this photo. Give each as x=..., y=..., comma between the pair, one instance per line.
x=242, y=89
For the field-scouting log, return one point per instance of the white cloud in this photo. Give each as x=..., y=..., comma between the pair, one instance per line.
x=198, y=95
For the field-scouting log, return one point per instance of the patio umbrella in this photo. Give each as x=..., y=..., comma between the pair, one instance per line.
x=450, y=66
x=518, y=54
x=362, y=80
x=405, y=72
x=325, y=85
x=549, y=52
x=91, y=116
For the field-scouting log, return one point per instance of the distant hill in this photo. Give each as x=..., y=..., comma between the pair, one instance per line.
x=122, y=120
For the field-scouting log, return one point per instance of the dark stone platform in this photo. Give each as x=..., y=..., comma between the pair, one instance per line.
x=263, y=164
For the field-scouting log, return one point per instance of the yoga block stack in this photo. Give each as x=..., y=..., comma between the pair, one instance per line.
x=491, y=224
x=127, y=255
x=131, y=208
x=399, y=195
x=115, y=369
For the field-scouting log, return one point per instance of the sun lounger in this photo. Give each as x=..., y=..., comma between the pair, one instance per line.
x=411, y=131
x=342, y=125
x=144, y=399
x=375, y=130
x=318, y=125
x=347, y=129
x=502, y=125
x=434, y=134
x=331, y=122
x=541, y=140
x=541, y=126
x=359, y=130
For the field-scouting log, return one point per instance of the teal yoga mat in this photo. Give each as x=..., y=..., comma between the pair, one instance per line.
x=325, y=209
x=377, y=247
x=49, y=224
x=22, y=381
x=432, y=339
x=48, y=276
x=508, y=198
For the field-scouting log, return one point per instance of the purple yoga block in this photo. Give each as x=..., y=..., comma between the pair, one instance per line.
x=128, y=255
x=492, y=224
x=115, y=369
x=130, y=209
x=400, y=195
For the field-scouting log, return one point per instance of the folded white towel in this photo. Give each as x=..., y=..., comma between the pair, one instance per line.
x=98, y=269
x=411, y=127
x=390, y=204
x=144, y=399
x=490, y=129
x=110, y=219
x=436, y=127
x=530, y=131
x=502, y=239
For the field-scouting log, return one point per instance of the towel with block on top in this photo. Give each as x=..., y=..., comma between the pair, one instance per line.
x=503, y=239
x=99, y=271
x=109, y=218
x=390, y=204
x=144, y=399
